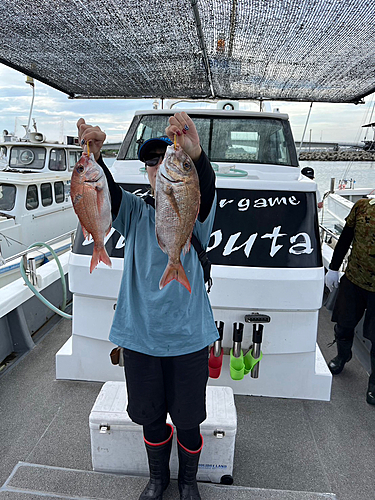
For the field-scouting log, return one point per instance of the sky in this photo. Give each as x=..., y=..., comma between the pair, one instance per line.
x=56, y=115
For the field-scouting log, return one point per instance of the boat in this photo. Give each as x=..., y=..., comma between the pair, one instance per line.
x=300, y=418
x=339, y=203
x=369, y=145
x=265, y=250
x=35, y=203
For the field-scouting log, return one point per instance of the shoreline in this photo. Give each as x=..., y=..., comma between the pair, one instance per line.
x=337, y=156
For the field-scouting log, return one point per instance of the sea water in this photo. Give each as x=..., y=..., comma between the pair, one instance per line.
x=362, y=172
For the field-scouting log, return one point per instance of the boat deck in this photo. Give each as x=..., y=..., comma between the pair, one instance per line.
x=285, y=449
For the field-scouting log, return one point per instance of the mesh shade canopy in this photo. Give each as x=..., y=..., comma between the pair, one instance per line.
x=300, y=50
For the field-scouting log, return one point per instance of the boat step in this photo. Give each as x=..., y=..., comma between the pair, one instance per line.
x=40, y=481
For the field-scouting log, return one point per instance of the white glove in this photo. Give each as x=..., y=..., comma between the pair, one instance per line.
x=332, y=279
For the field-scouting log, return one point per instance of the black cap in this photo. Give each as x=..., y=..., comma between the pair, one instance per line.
x=150, y=144
x=308, y=172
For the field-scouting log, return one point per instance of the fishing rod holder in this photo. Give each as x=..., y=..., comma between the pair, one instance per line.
x=29, y=265
x=237, y=339
x=257, y=321
x=215, y=360
x=217, y=344
x=236, y=365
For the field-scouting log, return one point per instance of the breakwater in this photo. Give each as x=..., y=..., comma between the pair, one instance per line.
x=337, y=155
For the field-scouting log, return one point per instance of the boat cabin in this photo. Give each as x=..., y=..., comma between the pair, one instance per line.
x=35, y=202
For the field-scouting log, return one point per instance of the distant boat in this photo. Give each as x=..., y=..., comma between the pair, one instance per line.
x=370, y=145
x=35, y=204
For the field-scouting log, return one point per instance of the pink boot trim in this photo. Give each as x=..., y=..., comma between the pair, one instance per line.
x=163, y=442
x=190, y=451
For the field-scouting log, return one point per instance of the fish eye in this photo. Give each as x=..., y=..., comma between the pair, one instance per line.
x=187, y=165
x=80, y=169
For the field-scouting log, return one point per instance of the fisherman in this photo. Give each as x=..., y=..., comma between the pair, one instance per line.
x=165, y=333
x=356, y=293
x=309, y=172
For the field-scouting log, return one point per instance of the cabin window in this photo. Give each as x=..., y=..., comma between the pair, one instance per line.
x=59, y=191
x=7, y=196
x=57, y=160
x=238, y=139
x=32, y=200
x=46, y=192
x=28, y=157
x=150, y=126
x=74, y=156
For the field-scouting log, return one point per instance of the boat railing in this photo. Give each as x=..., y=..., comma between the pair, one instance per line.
x=29, y=263
x=330, y=238
x=326, y=234
x=57, y=239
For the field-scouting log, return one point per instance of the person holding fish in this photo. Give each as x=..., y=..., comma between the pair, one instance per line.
x=163, y=317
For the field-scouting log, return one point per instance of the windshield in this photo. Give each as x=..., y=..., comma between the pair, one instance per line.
x=27, y=157
x=232, y=139
x=7, y=197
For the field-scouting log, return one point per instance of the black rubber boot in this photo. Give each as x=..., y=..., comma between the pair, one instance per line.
x=187, y=472
x=370, y=395
x=158, y=461
x=344, y=352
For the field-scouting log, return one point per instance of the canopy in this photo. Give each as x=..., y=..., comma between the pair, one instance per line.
x=301, y=50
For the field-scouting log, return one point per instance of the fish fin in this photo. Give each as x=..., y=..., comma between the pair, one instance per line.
x=77, y=198
x=99, y=255
x=161, y=244
x=186, y=247
x=174, y=272
x=108, y=230
x=86, y=234
x=173, y=202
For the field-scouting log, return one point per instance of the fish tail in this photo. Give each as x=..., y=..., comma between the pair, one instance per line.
x=99, y=255
x=174, y=272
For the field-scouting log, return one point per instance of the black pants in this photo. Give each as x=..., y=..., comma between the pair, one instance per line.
x=160, y=385
x=351, y=303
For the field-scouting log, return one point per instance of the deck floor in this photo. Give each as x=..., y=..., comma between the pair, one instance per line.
x=285, y=448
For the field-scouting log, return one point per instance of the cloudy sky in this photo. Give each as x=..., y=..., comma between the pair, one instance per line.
x=56, y=115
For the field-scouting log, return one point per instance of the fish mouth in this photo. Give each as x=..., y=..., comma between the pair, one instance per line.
x=95, y=180
x=169, y=179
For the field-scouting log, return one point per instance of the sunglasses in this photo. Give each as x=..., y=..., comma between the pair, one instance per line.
x=153, y=161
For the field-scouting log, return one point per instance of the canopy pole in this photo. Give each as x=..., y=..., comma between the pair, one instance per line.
x=202, y=44
x=303, y=135
x=30, y=81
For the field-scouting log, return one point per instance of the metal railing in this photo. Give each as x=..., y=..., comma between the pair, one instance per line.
x=326, y=236
x=64, y=236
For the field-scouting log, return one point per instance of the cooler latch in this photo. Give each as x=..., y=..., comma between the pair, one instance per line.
x=219, y=434
x=103, y=428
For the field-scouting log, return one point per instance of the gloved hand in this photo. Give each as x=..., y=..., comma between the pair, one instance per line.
x=332, y=279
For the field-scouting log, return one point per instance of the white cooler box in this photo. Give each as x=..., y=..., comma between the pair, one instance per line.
x=117, y=442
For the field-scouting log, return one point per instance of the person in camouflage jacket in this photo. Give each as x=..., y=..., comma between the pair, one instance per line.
x=356, y=294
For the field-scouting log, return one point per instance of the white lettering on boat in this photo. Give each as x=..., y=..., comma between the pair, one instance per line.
x=303, y=246
x=245, y=203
